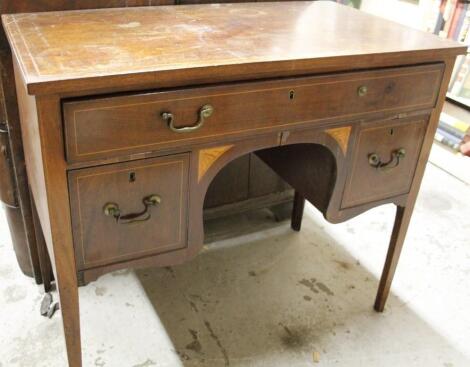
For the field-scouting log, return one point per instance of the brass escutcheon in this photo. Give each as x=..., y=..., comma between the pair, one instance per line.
x=362, y=91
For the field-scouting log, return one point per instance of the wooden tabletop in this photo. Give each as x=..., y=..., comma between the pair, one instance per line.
x=80, y=50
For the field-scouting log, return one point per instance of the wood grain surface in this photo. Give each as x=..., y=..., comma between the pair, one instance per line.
x=138, y=44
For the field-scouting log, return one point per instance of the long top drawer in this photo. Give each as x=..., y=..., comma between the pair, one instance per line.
x=120, y=125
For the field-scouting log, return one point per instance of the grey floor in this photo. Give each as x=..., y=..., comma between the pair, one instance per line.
x=272, y=298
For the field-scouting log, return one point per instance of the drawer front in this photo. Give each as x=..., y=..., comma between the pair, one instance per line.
x=129, y=210
x=108, y=127
x=384, y=161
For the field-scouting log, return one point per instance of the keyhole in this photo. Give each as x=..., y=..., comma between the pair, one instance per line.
x=132, y=177
x=391, y=131
x=291, y=94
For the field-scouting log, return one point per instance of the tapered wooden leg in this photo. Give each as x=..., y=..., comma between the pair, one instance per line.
x=59, y=237
x=69, y=307
x=297, y=211
x=402, y=220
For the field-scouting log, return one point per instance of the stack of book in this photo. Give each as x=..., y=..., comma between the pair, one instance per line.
x=451, y=131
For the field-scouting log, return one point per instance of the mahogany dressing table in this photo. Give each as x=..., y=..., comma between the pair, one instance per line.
x=124, y=133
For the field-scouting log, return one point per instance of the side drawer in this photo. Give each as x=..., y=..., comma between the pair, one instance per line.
x=107, y=127
x=129, y=210
x=384, y=161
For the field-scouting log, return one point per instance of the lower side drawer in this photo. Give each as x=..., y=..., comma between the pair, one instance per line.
x=129, y=210
x=384, y=160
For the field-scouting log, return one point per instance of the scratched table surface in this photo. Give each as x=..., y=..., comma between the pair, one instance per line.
x=141, y=42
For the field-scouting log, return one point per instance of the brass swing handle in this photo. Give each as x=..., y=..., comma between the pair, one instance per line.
x=397, y=155
x=112, y=210
x=204, y=113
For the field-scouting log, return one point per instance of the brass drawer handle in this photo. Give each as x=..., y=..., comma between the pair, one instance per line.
x=376, y=162
x=205, y=112
x=112, y=210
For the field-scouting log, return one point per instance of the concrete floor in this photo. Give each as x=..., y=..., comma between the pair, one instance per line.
x=273, y=298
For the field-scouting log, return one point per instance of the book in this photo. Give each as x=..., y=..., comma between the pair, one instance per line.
x=463, y=15
x=440, y=18
x=456, y=141
x=457, y=20
x=465, y=26
x=431, y=14
x=449, y=15
x=452, y=131
x=441, y=139
x=454, y=123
